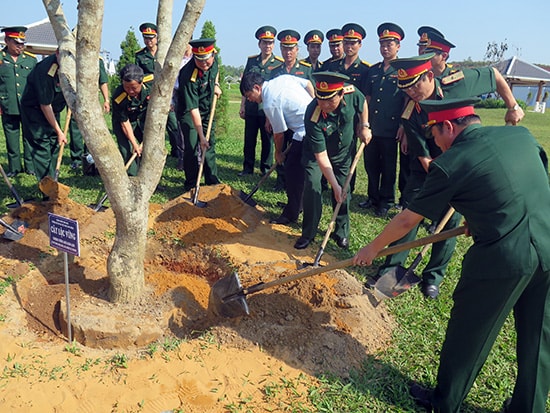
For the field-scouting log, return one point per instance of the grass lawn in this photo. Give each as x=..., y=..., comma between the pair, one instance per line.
x=381, y=385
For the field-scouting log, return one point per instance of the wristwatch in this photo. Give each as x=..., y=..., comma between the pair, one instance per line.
x=516, y=107
x=366, y=125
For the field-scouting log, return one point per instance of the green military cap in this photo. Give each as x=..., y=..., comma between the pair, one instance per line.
x=314, y=36
x=423, y=32
x=409, y=70
x=353, y=31
x=148, y=29
x=335, y=36
x=203, y=48
x=448, y=109
x=328, y=84
x=390, y=31
x=266, y=33
x=288, y=38
x=16, y=33
x=437, y=43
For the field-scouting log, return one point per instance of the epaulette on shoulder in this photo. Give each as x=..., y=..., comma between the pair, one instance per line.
x=306, y=64
x=140, y=50
x=316, y=114
x=453, y=77
x=280, y=59
x=194, y=75
x=349, y=89
x=120, y=98
x=365, y=63
x=29, y=54
x=53, y=70
x=148, y=78
x=408, y=110
x=254, y=56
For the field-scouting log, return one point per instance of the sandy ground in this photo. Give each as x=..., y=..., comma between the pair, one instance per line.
x=169, y=351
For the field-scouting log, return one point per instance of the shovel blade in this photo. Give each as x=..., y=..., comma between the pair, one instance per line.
x=247, y=199
x=227, y=298
x=15, y=231
x=395, y=282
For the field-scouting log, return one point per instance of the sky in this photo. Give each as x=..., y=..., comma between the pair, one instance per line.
x=469, y=24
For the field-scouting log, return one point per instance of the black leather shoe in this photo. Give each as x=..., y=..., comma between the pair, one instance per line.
x=367, y=204
x=302, y=243
x=282, y=220
x=341, y=242
x=244, y=173
x=430, y=291
x=381, y=212
x=421, y=395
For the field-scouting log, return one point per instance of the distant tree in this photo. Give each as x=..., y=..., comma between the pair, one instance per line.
x=129, y=46
x=495, y=52
x=222, y=120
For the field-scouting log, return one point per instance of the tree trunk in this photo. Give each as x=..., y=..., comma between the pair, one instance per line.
x=129, y=196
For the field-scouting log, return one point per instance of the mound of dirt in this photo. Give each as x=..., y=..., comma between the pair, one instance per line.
x=324, y=323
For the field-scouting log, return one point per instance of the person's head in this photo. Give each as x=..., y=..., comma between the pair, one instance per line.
x=204, y=53
x=149, y=33
x=266, y=39
x=329, y=90
x=131, y=76
x=389, y=38
x=353, y=39
x=335, y=43
x=251, y=86
x=423, y=32
x=15, y=38
x=440, y=47
x=313, y=40
x=447, y=118
x=289, y=45
x=415, y=76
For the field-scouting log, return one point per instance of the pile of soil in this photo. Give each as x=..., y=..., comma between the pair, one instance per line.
x=321, y=324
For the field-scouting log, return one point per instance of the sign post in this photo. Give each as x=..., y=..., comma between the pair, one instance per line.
x=64, y=236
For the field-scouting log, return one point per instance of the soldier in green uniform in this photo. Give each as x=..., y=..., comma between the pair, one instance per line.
x=386, y=102
x=15, y=66
x=76, y=143
x=198, y=84
x=331, y=121
x=41, y=104
x=313, y=40
x=146, y=59
x=440, y=47
x=336, y=48
x=417, y=79
x=129, y=110
x=352, y=65
x=497, y=178
x=254, y=117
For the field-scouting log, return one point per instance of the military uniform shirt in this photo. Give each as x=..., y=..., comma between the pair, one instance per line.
x=43, y=86
x=464, y=83
x=357, y=72
x=333, y=132
x=13, y=78
x=319, y=67
x=146, y=61
x=125, y=108
x=300, y=69
x=386, y=100
x=254, y=64
x=508, y=235
x=196, y=89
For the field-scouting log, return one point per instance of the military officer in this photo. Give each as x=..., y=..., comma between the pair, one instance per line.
x=129, y=110
x=41, y=104
x=146, y=59
x=198, y=84
x=331, y=121
x=418, y=81
x=386, y=103
x=497, y=177
x=254, y=117
x=313, y=40
x=336, y=48
x=15, y=66
x=440, y=47
x=351, y=65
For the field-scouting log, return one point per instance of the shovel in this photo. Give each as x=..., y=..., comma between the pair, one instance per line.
x=228, y=297
x=397, y=280
x=195, y=198
x=62, y=146
x=15, y=231
x=18, y=202
x=336, y=209
x=247, y=198
x=104, y=198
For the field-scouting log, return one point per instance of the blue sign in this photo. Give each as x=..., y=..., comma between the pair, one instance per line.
x=64, y=234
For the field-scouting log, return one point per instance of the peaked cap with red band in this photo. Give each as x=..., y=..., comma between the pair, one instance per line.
x=409, y=70
x=353, y=31
x=16, y=33
x=266, y=33
x=148, y=29
x=448, y=109
x=438, y=43
x=390, y=31
x=203, y=48
x=327, y=84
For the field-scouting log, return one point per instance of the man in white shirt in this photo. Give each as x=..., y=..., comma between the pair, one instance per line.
x=284, y=100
